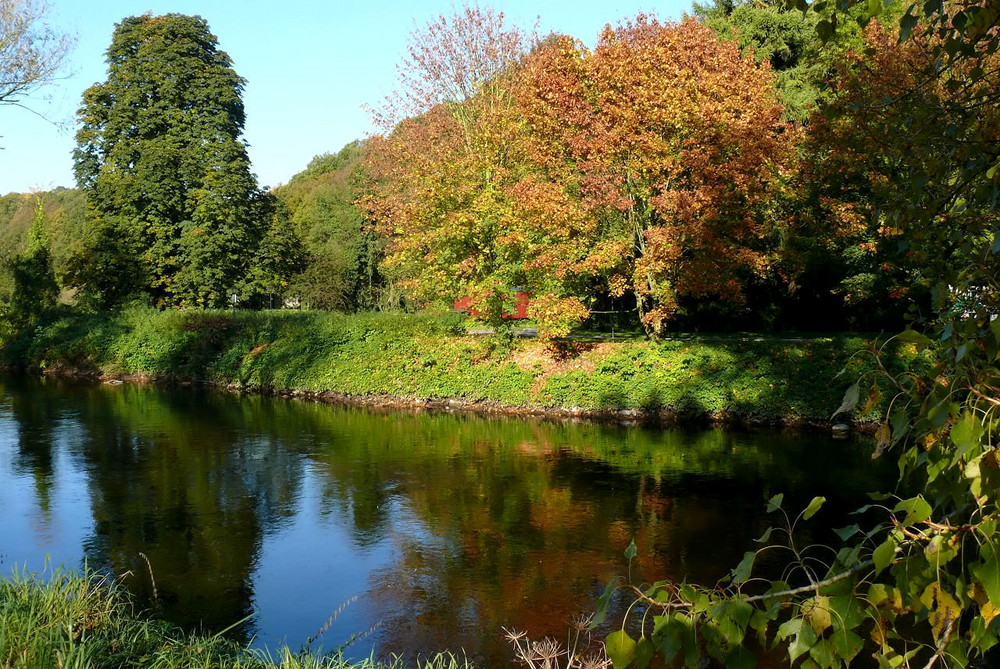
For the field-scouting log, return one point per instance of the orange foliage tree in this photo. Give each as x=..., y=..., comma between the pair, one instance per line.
x=903, y=151
x=676, y=145
x=646, y=166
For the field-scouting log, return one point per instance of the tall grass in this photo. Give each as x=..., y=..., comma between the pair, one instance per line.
x=70, y=621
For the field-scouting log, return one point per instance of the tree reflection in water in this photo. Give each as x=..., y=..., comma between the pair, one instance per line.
x=446, y=527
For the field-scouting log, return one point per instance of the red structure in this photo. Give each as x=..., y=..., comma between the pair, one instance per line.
x=520, y=306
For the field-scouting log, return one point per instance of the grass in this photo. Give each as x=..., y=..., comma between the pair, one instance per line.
x=69, y=621
x=392, y=355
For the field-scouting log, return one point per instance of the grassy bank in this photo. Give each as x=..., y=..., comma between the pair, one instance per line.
x=431, y=357
x=83, y=621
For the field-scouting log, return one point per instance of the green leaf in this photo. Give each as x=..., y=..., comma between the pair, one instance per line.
x=982, y=636
x=813, y=507
x=940, y=412
x=631, y=551
x=762, y=539
x=824, y=30
x=900, y=421
x=823, y=653
x=804, y=640
x=917, y=510
x=774, y=503
x=741, y=612
x=990, y=173
x=847, y=643
x=759, y=622
x=846, y=612
x=601, y=613
x=846, y=533
x=873, y=8
x=884, y=554
x=621, y=649
x=939, y=551
x=878, y=593
x=966, y=435
x=674, y=633
x=742, y=571
x=644, y=651
x=849, y=402
x=788, y=628
x=988, y=573
x=741, y=658
x=906, y=26
x=913, y=337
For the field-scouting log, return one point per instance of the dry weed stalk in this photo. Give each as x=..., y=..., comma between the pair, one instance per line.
x=550, y=654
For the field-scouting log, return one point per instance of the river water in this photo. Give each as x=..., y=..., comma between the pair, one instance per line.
x=435, y=530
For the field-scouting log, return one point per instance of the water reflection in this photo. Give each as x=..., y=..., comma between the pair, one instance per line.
x=445, y=527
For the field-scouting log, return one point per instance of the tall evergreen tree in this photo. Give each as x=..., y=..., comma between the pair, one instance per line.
x=173, y=205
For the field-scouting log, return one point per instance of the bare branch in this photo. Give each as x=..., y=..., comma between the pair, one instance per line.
x=31, y=51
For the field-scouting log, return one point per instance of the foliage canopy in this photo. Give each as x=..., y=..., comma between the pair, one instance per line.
x=909, y=136
x=625, y=169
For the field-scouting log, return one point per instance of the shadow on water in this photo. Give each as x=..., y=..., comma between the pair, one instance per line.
x=445, y=527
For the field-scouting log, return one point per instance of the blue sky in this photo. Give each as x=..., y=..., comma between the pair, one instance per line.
x=311, y=65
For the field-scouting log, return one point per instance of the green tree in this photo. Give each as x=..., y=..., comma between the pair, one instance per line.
x=65, y=214
x=340, y=268
x=35, y=287
x=167, y=176
x=786, y=38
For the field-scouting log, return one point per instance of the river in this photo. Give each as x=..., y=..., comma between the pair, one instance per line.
x=430, y=531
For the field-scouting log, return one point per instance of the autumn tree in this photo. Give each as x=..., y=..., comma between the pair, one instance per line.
x=451, y=59
x=437, y=183
x=915, y=581
x=676, y=147
x=634, y=168
x=175, y=213
x=32, y=51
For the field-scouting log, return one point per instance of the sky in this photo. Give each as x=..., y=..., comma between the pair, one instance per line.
x=311, y=66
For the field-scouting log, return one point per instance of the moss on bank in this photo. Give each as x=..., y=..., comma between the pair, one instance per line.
x=86, y=621
x=431, y=357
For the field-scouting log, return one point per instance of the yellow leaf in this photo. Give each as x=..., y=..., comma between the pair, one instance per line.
x=988, y=612
x=817, y=610
x=879, y=633
x=942, y=608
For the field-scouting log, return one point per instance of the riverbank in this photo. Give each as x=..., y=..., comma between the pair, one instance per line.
x=401, y=360
x=88, y=621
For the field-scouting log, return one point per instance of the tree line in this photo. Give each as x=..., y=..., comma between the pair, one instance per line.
x=677, y=175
